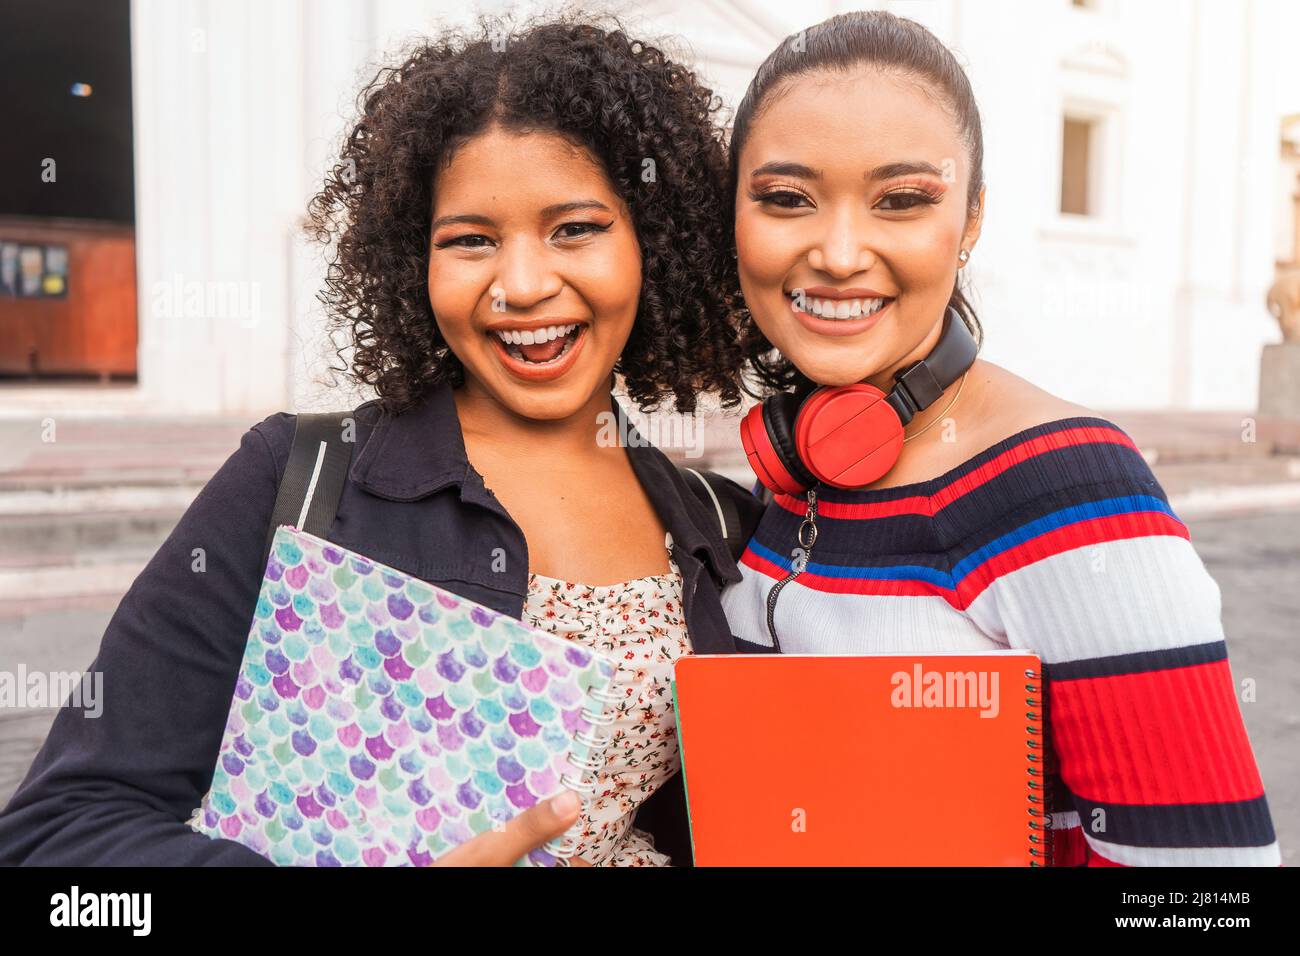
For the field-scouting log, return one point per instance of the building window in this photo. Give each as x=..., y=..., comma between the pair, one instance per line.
x=1078, y=161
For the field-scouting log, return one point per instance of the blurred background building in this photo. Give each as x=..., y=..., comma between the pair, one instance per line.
x=1137, y=206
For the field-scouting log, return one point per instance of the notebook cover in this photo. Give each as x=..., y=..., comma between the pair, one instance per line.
x=379, y=720
x=811, y=760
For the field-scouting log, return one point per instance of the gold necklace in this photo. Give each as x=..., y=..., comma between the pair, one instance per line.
x=939, y=417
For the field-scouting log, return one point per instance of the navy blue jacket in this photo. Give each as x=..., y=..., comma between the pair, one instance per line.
x=117, y=789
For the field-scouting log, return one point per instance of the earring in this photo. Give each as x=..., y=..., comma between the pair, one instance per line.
x=963, y=255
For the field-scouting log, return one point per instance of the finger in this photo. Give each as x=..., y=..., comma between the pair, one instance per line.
x=526, y=831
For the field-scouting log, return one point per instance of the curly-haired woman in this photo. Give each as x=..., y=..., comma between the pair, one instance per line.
x=977, y=511
x=517, y=217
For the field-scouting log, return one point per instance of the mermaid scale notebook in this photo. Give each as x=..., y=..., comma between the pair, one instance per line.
x=378, y=720
x=874, y=760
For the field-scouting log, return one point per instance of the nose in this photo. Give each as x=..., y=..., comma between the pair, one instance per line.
x=527, y=276
x=842, y=249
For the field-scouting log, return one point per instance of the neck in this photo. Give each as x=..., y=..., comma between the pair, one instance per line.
x=884, y=379
x=966, y=384
x=483, y=418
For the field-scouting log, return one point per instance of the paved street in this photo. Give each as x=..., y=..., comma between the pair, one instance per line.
x=1256, y=560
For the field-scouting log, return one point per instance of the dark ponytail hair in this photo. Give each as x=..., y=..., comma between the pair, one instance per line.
x=860, y=38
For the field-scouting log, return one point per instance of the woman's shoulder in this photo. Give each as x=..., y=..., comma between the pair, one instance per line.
x=278, y=429
x=1009, y=406
x=1010, y=411
x=1044, y=458
x=1005, y=422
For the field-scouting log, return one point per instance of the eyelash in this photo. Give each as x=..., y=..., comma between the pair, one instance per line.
x=920, y=194
x=773, y=197
x=460, y=241
x=588, y=227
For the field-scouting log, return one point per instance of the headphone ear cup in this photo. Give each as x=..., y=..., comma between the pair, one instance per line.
x=848, y=436
x=780, y=412
x=765, y=452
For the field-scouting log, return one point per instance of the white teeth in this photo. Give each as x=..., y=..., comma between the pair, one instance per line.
x=842, y=308
x=534, y=336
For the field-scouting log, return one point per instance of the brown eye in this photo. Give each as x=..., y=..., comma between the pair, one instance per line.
x=782, y=199
x=474, y=241
x=579, y=230
x=909, y=199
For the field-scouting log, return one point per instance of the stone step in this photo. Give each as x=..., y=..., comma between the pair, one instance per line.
x=41, y=540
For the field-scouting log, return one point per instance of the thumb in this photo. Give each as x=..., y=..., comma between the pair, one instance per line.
x=526, y=831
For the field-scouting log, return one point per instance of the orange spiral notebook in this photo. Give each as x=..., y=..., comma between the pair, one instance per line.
x=880, y=760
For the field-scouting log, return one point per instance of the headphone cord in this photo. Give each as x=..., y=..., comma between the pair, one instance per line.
x=939, y=417
x=807, y=537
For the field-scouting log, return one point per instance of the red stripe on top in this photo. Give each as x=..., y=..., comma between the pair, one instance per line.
x=906, y=587
x=1138, y=524
x=1096, y=859
x=1156, y=737
x=930, y=504
x=896, y=587
x=1080, y=534
x=762, y=565
x=914, y=505
x=1069, y=847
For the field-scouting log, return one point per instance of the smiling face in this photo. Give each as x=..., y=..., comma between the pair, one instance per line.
x=534, y=271
x=850, y=213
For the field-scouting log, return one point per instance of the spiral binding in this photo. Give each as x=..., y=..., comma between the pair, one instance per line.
x=595, y=760
x=1040, y=807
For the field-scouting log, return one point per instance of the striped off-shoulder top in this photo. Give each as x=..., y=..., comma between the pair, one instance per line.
x=1057, y=540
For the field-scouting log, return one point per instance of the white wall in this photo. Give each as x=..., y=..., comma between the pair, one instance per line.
x=239, y=105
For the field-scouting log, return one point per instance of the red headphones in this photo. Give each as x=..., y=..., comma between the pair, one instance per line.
x=849, y=435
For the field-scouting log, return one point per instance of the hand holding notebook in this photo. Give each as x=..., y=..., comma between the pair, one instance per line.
x=378, y=720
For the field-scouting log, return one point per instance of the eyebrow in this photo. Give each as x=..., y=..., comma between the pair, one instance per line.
x=555, y=209
x=887, y=171
x=907, y=168
x=458, y=220
x=559, y=209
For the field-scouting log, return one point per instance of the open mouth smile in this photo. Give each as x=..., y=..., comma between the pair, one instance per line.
x=538, y=352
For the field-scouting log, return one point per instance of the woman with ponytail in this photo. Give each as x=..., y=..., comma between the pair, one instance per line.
x=924, y=499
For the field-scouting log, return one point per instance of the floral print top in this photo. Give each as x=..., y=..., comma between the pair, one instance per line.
x=640, y=623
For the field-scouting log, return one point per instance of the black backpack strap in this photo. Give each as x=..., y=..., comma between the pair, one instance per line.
x=707, y=488
x=313, y=478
